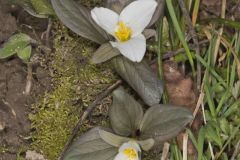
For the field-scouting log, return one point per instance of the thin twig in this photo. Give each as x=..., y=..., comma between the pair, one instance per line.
x=199, y=102
x=29, y=79
x=236, y=151
x=41, y=46
x=195, y=39
x=47, y=33
x=165, y=151
x=86, y=113
x=171, y=54
x=185, y=146
x=218, y=42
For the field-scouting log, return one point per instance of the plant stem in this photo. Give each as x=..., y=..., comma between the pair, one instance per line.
x=160, y=58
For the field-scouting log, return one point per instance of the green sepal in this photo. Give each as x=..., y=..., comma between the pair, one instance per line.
x=141, y=78
x=14, y=45
x=91, y=146
x=113, y=139
x=104, y=53
x=117, y=141
x=147, y=144
x=163, y=122
x=125, y=113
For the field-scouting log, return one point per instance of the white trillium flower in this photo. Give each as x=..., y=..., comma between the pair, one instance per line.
x=129, y=151
x=127, y=27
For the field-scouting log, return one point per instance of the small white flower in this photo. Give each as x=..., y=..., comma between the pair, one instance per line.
x=129, y=151
x=127, y=27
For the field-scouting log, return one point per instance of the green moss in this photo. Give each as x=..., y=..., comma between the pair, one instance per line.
x=76, y=83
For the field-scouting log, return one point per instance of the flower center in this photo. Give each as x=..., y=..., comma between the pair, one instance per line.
x=130, y=153
x=123, y=33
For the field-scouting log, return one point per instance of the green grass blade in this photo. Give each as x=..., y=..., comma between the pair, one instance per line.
x=209, y=99
x=180, y=34
x=213, y=72
x=226, y=22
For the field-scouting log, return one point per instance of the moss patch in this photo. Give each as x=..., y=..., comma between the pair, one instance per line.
x=76, y=83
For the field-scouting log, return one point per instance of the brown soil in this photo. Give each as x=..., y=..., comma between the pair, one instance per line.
x=15, y=105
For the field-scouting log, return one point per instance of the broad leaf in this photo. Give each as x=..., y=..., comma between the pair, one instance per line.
x=125, y=113
x=159, y=12
x=25, y=54
x=163, y=122
x=78, y=19
x=104, y=53
x=141, y=78
x=15, y=44
x=43, y=7
x=28, y=6
x=91, y=146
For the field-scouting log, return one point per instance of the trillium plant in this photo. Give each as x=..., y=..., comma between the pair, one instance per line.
x=118, y=29
x=132, y=131
x=127, y=27
x=122, y=28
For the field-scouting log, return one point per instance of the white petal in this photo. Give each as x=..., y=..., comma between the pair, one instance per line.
x=121, y=156
x=138, y=14
x=130, y=144
x=105, y=18
x=134, y=49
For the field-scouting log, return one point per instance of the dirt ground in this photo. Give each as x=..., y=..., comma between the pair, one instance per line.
x=15, y=105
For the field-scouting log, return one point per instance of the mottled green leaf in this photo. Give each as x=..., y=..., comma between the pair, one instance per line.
x=91, y=146
x=27, y=6
x=125, y=113
x=43, y=7
x=163, y=122
x=15, y=44
x=141, y=78
x=25, y=54
x=78, y=19
x=104, y=53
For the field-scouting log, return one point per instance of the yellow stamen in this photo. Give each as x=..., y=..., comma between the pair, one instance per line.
x=123, y=33
x=130, y=153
